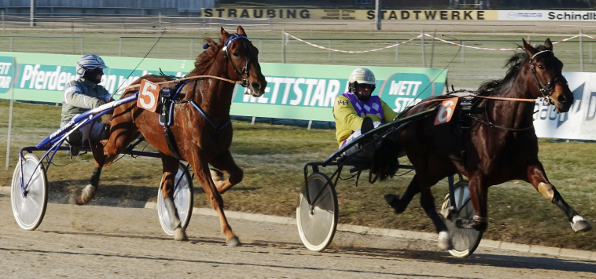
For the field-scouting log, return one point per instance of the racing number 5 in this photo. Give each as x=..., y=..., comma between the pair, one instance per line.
x=148, y=95
x=446, y=111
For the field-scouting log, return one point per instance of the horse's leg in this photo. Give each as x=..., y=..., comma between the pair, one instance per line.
x=122, y=132
x=537, y=177
x=170, y=168
x=427, y=201
x=225, y=163
x=479, y=197
x=201, y=170
x=400, y=204
x=89, y=192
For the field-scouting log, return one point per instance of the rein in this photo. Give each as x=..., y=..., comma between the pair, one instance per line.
x=137, y=86
x=502, y=98
x=490, y=123
x=493, y=125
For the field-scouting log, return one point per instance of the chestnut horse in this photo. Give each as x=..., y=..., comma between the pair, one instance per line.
x=492, y=143
x=201, y=125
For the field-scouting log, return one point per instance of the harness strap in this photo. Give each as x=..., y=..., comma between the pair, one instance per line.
x=543, y=87
x=538, y=53
x=227, y=44
x=172, y=143
x=217, y=130
x=491, y=124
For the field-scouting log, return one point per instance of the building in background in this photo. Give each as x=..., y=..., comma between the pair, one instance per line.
x=429, y=4
x=45, y=8
x=174, y=8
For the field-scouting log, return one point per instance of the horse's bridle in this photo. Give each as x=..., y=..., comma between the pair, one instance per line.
x=244, y=73
x=546, y=89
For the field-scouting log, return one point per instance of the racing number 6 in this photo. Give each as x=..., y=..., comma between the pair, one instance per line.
x=446, y=111
x=148, y=95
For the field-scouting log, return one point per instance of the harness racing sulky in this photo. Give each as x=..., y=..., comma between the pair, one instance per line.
x=185, y=119
x=487, y=136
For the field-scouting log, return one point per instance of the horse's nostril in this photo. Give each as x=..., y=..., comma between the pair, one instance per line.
x=562, y=99
x=256, y=85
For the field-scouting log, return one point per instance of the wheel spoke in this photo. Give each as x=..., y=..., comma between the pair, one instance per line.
x=465, y=241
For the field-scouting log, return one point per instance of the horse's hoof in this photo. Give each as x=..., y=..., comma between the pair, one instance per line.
x=580, y=224
x=393, y=201
x=445, y=242
x=87, y=194
x=480, y=226
x=216, y=175
x=233, y=242
x=477, y=223
x=449, y=213
x=180, y=234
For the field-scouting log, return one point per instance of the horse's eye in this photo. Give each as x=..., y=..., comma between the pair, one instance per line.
x=236, y=54
x=540, y=67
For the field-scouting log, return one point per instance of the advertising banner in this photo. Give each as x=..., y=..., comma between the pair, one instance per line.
x=294, y=91
x=307, y=91
x=7, y=72
x=547, y=15
x=580, y=121
x=347, y=14
x=42, y=77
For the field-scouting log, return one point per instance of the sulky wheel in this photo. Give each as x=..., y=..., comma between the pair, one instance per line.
x=29, y=206
x=317, y=221
x=183, y=199
x=465, y=241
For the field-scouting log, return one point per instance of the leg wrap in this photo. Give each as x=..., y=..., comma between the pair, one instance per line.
x=171, y=208
x=546, y=190
x=95, y=177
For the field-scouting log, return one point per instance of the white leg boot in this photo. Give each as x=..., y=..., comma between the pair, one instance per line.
x=87, y=194
x=179, y=233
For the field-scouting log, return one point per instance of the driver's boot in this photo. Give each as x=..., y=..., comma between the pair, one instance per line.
x=75, y=142
x=367, y=126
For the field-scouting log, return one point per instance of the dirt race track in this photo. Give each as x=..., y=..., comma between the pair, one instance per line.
x=117, y=242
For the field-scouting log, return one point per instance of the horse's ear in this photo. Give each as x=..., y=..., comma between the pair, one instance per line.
x=224, y=34
x=240, y=31
x=548, y=44
x=529, y=49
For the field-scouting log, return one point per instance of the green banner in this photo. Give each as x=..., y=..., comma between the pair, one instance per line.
x=294, y=91
x=7, y=71
x=42, y=77
x=307, y=91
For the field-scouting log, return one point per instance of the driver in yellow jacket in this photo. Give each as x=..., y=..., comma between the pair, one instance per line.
x=357, y=111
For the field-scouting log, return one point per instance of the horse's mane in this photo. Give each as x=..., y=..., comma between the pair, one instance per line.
x=206, y=59
x=515, y=64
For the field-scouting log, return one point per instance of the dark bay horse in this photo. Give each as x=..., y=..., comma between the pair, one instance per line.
x=201, y=125
x=492, y=143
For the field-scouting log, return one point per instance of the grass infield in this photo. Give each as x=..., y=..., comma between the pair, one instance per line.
x=273, y=157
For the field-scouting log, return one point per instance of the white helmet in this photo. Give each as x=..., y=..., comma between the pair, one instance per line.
x=362, y=76
x=89, y=62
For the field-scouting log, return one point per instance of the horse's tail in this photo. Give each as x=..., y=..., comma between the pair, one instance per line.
x=385, y=163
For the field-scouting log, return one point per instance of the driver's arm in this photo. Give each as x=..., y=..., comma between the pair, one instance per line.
x=388, y=112
x=74, y=96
